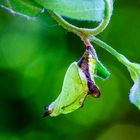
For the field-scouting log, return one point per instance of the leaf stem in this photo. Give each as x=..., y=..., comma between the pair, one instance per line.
x=105, y=46
x=85, y=32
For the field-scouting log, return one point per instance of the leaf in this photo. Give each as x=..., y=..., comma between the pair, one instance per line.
x=135, y=90
x=92, y=10
x=102, y=71
x=21, y=7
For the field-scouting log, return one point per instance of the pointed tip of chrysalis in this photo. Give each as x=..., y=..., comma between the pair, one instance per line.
x=47, y=113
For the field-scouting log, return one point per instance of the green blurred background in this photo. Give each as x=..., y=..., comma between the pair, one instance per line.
x=34, y=56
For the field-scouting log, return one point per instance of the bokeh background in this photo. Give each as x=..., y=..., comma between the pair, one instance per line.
x=34, y=56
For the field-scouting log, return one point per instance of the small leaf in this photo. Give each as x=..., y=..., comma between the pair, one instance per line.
x=21, y=7
x=102, y=71
x=92, y=10
x=135, y=90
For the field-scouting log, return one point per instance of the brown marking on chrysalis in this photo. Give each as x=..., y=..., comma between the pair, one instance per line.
x=96, y=93
x=47, y=113
x=84, y=65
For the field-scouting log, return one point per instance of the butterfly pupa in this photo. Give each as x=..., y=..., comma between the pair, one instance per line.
x=78, y=83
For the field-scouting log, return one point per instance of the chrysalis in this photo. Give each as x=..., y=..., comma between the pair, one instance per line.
x=78, y=83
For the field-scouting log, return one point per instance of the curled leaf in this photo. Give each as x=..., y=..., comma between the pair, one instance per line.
x=135, y=90
x=78, y=83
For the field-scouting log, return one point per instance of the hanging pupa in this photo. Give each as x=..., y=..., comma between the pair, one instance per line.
x=78, y=83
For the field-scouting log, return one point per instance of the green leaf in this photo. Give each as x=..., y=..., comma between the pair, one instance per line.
x=92, y=10
x=135, y=90
x=102, y=71
x=21, y=7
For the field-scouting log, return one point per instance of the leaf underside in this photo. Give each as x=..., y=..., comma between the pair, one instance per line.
x=92, y=10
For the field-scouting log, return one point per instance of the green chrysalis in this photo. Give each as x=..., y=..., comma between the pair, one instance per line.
x=78, y=83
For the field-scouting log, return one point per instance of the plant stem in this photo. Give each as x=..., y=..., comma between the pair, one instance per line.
x=85, y=32
x=119, y=56
x=87, y=42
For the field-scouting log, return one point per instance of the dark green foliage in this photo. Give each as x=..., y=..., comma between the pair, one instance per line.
x=34, y=56
x=22, y=7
